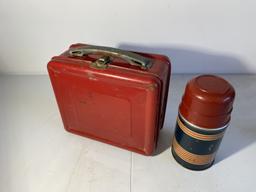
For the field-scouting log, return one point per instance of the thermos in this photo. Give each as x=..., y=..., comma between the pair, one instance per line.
x=204, y=115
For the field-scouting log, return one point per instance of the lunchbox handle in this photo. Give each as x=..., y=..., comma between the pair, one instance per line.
x=130, y=57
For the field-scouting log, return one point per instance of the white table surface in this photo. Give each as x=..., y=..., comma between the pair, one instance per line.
x=37, y=155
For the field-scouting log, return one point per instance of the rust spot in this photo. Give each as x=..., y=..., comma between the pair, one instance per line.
x=54, y=70
x=151, y=87
x=83, y=102
x=91, y=76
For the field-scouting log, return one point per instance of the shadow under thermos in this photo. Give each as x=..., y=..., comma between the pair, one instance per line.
x=204, y=114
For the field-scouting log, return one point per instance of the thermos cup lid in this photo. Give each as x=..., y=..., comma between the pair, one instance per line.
x=207, y=102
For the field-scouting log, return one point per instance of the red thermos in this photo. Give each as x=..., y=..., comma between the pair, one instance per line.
x=204, y=115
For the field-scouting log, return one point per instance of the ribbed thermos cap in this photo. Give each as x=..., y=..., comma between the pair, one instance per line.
x=207, y=101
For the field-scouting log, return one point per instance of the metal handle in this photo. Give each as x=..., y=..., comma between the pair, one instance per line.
x=132, y=58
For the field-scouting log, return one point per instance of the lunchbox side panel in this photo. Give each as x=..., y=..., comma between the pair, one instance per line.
x=55, y=70
x=162, y=69
x=166, y=76
x=152, y=114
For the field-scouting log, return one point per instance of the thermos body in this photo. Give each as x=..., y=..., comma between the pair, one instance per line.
x=195, y=147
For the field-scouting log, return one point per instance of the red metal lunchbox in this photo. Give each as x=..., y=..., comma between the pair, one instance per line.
x=111, y=95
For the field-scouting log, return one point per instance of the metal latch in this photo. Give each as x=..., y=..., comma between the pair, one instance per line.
x=101, y=63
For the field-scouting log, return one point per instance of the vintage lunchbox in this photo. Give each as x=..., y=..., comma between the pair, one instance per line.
x=112, y=95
